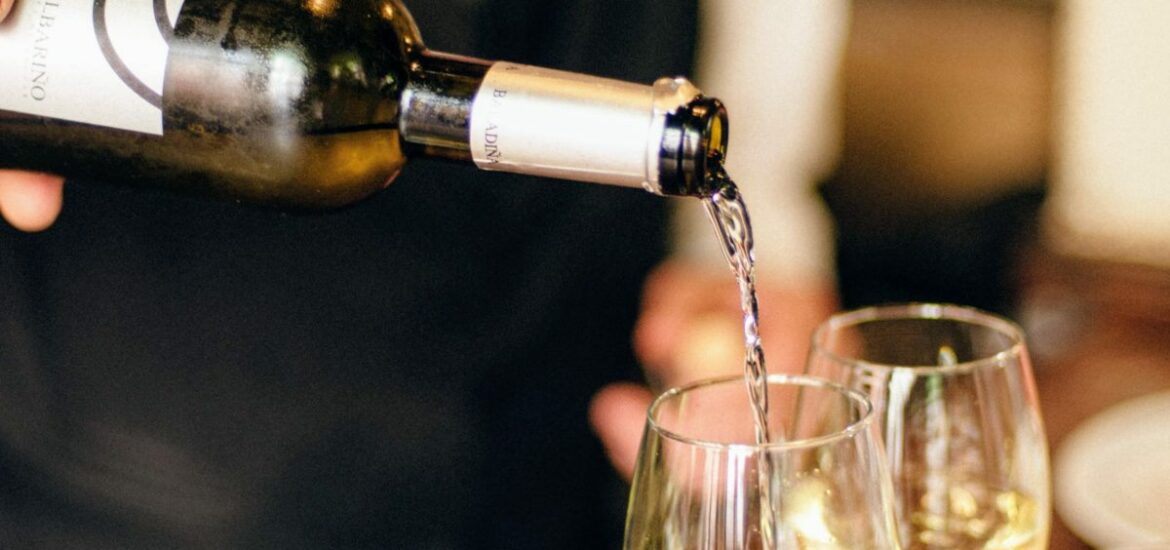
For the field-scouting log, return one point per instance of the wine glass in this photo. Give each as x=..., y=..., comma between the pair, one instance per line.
x=703, y=482
x=954, y=394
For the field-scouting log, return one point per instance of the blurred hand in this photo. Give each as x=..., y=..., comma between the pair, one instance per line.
x=30, y=202
x=691, y=328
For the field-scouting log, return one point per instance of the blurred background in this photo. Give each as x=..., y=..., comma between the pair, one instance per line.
x=972, y=133
x=946, y=139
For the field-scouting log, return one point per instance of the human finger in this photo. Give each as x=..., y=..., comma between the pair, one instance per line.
x=5, y=6
x=30, y=201
x=618, y=416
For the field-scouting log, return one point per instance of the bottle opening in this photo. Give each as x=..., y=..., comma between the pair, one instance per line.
x=694, y=145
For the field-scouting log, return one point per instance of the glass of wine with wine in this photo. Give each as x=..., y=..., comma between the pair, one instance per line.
x=955, y=399
x=704, y=482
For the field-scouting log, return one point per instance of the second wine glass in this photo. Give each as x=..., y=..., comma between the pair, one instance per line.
x=957, y=405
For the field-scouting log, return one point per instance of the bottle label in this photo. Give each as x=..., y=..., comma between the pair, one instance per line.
x=545, y=122
x=98, y=63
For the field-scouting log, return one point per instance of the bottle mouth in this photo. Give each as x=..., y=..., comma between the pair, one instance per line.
x=694, y=144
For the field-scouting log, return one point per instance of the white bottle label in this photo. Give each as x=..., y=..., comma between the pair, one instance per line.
x=97, y=62
x=544, y=122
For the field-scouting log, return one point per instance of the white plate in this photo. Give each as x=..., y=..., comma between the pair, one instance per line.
x=1112, y=475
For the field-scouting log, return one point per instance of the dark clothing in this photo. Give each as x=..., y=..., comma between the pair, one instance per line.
x=410, y=372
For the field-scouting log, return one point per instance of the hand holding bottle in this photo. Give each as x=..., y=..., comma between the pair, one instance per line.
x=28, y=201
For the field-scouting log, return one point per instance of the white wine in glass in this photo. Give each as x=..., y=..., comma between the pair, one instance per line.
x=703, y=482
x=960, y=420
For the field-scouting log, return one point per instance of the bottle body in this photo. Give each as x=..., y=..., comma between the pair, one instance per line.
x=319, y=104
x=300, y=113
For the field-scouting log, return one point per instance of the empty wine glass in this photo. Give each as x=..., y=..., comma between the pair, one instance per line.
x=953, y=390
x=703, y=482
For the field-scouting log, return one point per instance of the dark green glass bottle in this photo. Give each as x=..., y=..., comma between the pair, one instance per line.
x=319, y=103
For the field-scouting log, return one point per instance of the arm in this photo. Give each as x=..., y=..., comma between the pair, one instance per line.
x=775, y=64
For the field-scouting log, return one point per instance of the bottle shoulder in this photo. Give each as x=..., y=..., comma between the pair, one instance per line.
x=323, y=64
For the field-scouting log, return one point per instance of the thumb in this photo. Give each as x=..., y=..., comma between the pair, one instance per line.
x=30, y=202
x=618, y=416
x=5, y=5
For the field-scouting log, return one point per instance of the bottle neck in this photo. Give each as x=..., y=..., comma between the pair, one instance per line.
x=436, y=106
x=665, y=138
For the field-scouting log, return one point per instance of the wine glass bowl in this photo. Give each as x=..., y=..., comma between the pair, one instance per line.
x=956, y=403
x=703, y=482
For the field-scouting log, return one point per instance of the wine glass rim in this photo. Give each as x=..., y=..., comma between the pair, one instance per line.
x=859, y=400
x=924, y=311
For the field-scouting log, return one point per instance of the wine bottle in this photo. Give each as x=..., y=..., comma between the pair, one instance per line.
x=317, y=103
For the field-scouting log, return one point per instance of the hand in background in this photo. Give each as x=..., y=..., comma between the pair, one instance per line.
x=691, y=328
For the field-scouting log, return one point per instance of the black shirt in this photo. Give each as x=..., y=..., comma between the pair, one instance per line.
x=410, y=372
